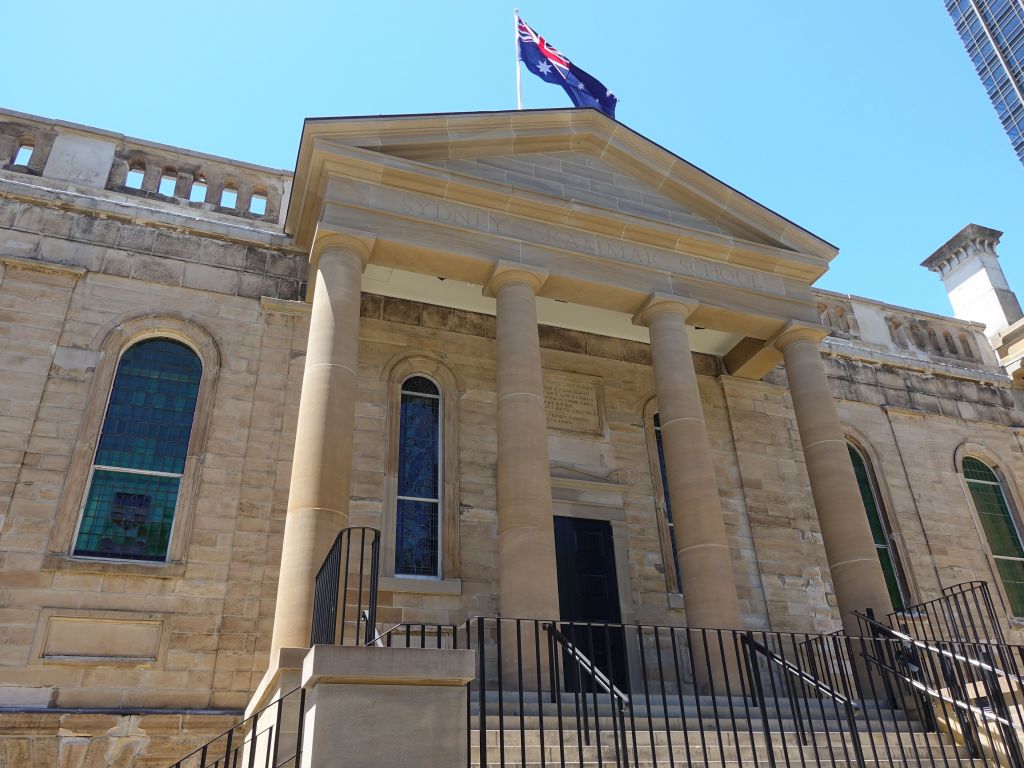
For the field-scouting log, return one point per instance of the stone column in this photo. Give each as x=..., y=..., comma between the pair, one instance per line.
x=709, y=588
x=527, y=577
x=322, y=466
x=856, y=573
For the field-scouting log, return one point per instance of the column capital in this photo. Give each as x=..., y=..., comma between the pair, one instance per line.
x=514, y=272
x=796, y=331
x=331, y=238
x=660, y=303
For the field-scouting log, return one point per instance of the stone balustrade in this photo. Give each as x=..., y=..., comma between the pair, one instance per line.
x=904, y=332
x=100, y=159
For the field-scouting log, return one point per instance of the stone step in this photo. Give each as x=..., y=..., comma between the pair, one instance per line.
x=740, y=725
x=710, y=738
x=810, y=754
x=718, y=763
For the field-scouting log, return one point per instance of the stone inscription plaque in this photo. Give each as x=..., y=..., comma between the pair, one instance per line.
x=571, y=404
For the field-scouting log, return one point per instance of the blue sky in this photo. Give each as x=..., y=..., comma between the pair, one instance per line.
x=863, y=122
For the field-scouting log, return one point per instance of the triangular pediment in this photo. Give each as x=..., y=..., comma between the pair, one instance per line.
x=571, y=161
x=581, y=178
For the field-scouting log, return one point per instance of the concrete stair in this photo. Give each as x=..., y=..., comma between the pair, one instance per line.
x=686, y=732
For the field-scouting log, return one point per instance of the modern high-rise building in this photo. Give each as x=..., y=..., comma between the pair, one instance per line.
x=993, y=33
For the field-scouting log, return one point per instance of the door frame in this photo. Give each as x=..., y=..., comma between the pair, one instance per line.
x=617, y=517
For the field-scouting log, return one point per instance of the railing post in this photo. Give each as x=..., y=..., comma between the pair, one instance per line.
x=994, y=694
x=748, y=641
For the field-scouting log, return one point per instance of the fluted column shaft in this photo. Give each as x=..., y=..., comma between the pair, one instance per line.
x=856, y=573
x=318, y=496
x=705, y=564
x=527, y=576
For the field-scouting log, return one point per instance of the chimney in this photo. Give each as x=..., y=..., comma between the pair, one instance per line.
x=977, y=288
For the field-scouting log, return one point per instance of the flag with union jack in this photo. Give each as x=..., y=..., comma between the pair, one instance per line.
x=551, y=66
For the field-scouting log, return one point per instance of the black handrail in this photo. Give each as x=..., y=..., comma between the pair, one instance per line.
x=345, y=590
x=964, y=612
x=212, y=755
x=555, y=640
x=797, y=672
x=586, y=664
x=959, y=672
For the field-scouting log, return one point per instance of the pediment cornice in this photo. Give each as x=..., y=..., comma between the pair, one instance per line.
x=396, y=153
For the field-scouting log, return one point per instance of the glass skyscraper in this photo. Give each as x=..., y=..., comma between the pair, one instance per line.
x=993, y=33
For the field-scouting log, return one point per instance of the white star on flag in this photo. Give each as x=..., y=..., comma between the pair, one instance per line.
x=543, y=67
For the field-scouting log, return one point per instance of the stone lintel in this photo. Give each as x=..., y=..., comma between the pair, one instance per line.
x=361, y=665
x=972, y=233
x=510, y=271
x=271, y=304
x=43, y=267
x=752, y=359
x=658, y=303
x=796, y=331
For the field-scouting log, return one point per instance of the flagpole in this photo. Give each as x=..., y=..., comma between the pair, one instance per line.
x=519, y=72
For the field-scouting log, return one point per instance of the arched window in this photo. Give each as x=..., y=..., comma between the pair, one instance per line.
x=140, y=458
x=258, y=203
x=229, y=196
x=881, y=531
x=168, y=181
x=671, y=553
x=1001, y=529
x=197, y=192
x=418, y=519
x=136, y=174
x=24, y=153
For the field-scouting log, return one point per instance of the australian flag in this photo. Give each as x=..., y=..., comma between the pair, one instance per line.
x=543, y=60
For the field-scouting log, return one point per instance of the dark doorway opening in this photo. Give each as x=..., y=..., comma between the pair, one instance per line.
x=588, y=598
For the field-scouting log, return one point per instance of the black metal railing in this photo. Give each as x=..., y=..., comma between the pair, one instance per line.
x=345, y=594
x=557, y=693
x=271, y=737
x=964, y=612
x=972, y=690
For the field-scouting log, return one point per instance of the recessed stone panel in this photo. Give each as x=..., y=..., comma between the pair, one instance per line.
x=571, y=404
x=73, y=637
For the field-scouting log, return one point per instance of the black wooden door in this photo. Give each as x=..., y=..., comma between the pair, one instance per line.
x=588, y=597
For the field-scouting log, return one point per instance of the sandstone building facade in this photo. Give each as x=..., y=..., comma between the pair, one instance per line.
x=452, y=328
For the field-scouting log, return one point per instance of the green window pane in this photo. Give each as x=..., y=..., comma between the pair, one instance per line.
x=891, y=579
x=976, y=470
x=127, y=515
x=878, y=529
x=149, y=418
x=996, y=519
x=867, y=495
x=1012, y=574
x=1000, y=529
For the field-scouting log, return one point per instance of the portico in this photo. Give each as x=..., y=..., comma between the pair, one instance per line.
x=412, y=203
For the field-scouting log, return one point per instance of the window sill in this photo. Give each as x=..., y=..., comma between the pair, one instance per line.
x=421, y=586
x=58, y=562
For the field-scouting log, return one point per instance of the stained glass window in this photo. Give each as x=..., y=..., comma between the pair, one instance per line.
x=668, y=503
x=418, y=532
x=1000, y=528
x=136, y=474
x=880, y=532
